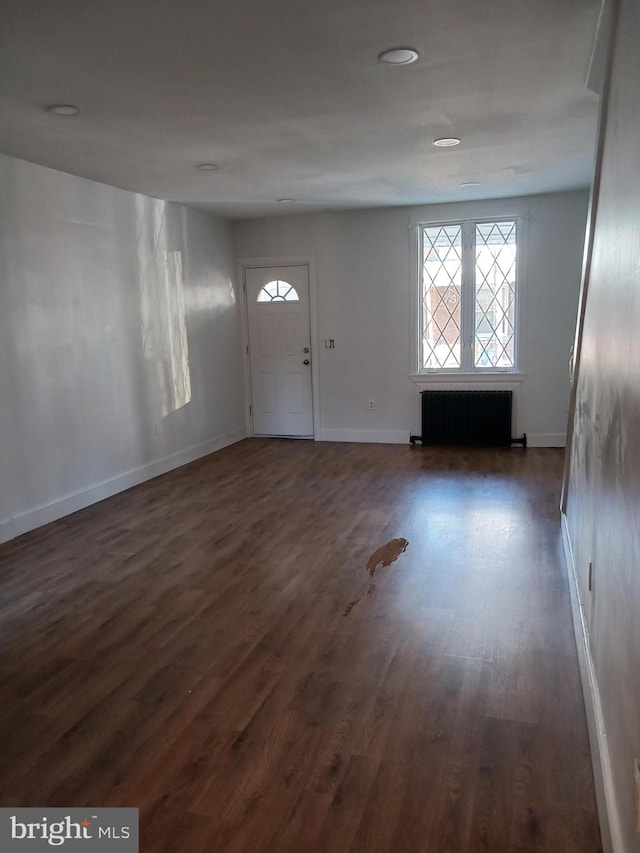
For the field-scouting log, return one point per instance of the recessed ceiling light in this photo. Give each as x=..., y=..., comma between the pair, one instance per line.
x=470, y=184
x=207, y=167
x=286, y=200
x=63, y=109
x=398, y=56
x=446, y=142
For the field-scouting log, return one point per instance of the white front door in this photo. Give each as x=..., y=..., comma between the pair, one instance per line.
x=280, y=350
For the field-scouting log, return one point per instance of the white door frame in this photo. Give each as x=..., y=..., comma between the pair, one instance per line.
x=281, y=261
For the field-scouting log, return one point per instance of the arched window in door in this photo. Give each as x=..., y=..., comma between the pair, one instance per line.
x=278, y=291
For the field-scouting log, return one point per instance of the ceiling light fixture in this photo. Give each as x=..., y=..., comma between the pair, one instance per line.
x=446, y=141
x=286, y=200
x=470, y=184
x=399, y=56
x=207, y=167
x=63, y=109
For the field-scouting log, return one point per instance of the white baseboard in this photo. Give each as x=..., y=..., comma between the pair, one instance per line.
x=608, y=813
x=367, y=436
x=400, y=436
x=546, y=439
x=6, y=530
x=37, y=516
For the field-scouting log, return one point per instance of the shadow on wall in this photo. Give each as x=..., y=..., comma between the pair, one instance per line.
x=160, y=250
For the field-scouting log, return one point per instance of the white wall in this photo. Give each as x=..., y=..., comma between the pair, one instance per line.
x=364, y=292
x=603, y=487
x=100, y=289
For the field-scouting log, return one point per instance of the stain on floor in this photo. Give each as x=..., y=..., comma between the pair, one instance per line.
x=386, y=554
x=351, y=605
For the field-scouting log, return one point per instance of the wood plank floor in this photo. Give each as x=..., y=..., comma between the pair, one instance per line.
x=211, y=647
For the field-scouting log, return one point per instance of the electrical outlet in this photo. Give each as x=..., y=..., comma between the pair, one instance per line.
x=371, y=404
x=329, y=343
x=636, y=778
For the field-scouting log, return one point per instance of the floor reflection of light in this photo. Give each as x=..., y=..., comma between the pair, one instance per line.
x=162, y=302
x=484, y=512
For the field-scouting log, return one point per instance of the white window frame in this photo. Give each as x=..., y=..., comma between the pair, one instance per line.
x=467, y=372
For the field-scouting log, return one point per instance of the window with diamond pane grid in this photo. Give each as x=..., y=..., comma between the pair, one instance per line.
x=495, y=294
x=468, y=296
x=441, y=296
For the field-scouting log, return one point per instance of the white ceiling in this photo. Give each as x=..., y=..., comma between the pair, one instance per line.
x=288, y=98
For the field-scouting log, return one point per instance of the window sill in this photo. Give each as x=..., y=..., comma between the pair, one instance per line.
x=475, y=378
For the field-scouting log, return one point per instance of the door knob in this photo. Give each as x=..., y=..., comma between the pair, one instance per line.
x=306, y=361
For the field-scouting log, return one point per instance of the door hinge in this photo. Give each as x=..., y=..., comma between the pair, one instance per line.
x=250, y=409
x=244, y=284
x=247, y=349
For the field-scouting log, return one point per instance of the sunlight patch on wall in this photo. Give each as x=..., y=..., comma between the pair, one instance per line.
x=162, y=302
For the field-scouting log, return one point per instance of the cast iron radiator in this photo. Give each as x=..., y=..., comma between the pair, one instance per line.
x=467, y=418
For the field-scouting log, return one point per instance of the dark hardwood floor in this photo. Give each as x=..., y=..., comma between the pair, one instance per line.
x=213, y=647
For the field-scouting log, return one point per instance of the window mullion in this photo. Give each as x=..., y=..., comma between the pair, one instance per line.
x=468, y=292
